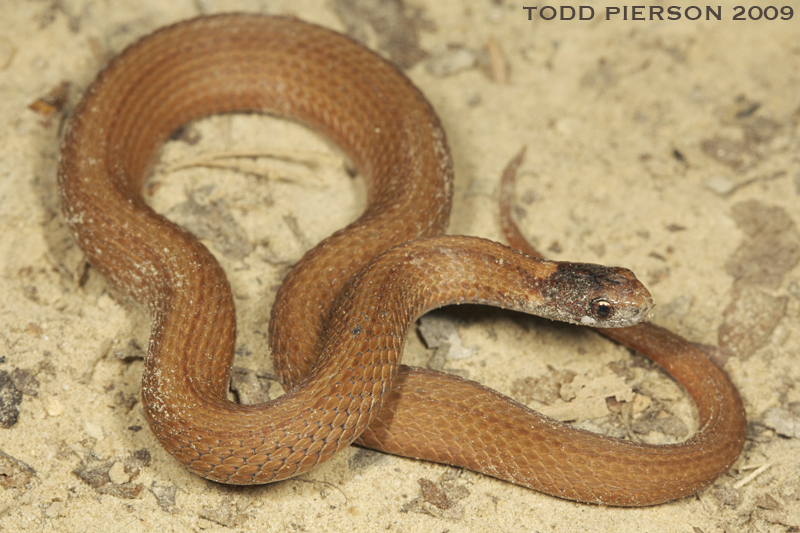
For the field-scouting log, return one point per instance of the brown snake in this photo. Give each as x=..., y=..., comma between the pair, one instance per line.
x=336, y=337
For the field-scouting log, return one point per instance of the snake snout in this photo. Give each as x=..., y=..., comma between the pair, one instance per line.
x=629, y=298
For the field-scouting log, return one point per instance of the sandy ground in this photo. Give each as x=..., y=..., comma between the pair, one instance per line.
x=668, y=147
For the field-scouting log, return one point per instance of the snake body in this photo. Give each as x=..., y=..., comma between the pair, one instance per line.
x=339, y=321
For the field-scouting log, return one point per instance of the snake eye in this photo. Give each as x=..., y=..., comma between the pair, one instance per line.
x=601, y=309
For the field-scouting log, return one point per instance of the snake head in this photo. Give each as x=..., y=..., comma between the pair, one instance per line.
x=596, y=295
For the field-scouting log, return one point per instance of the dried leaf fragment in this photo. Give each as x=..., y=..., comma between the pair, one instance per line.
x=433, y=494
x=10, y=399
x=53, y=101
x=440, y=499
x=13, y=472
x=98, y=475
x=165, y=496
x=588, y=398
x=395, y=26
x=759, y=265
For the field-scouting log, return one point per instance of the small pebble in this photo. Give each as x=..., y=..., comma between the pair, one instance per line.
x=53, y=406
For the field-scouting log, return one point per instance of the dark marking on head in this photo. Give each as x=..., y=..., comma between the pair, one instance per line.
x=587, y=292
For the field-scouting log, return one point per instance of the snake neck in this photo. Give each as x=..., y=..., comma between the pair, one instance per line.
x=370, y=321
